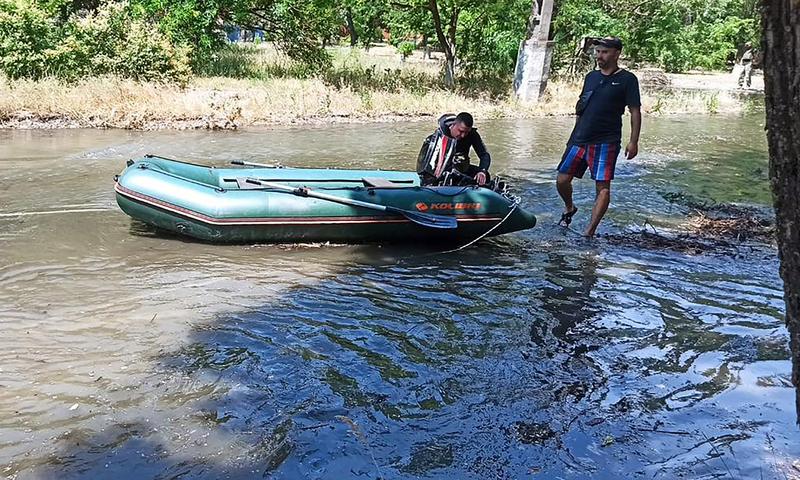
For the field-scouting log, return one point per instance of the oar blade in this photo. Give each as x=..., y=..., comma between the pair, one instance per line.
x=427, y=219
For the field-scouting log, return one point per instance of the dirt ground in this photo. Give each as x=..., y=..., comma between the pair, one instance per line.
x=715, y=81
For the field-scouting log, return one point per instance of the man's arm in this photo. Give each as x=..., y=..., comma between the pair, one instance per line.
x=636, y=127
x=481, y=151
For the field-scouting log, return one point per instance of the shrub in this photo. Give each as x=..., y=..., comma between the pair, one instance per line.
x=406, y=48
x=26, y=35
x=371, y=78
x=112, y=41
x=109, y=41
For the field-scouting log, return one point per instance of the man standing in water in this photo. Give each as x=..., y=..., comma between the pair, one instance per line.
x=746, y=62
x=596, y=139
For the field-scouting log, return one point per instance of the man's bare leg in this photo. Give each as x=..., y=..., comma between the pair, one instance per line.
x=564, y=186
x=601, y=201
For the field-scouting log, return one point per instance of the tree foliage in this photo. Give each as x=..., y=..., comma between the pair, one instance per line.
x=490, y=34
x=36, y=43
x=366, y=20
x=296, y=26
x=479, y=38
x=674, y=35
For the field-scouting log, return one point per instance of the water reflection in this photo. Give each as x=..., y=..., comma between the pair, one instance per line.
x=567, y=298
x=381, y=371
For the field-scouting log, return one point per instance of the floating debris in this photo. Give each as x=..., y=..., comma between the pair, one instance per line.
x=740, y=228
x=683, y=243
x=708, y=218
x=711, y=227
x=533, y=433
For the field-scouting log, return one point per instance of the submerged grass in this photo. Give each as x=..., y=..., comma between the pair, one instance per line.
x=255, y=85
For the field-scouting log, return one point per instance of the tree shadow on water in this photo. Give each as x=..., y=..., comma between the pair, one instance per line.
x=493, y=363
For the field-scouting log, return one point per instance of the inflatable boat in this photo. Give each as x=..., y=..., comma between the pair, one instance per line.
x=254, y=203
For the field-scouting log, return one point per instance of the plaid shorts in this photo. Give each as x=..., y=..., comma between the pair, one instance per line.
x=601, y=159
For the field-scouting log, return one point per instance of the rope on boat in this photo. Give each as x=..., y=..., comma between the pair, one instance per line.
x=51, y=212
x=487, y=232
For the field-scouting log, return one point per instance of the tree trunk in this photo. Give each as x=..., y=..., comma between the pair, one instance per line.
x=352, y=27
x=781, y=43
x=449, y=49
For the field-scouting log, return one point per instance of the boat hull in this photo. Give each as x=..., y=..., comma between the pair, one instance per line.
x=207, y=204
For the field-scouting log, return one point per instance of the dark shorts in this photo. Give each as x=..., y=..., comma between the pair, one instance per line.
x=601, y=159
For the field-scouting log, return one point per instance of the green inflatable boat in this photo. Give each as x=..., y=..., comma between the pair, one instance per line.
x=254, y=203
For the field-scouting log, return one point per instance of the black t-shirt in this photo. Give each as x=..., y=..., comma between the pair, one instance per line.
x=601, y=121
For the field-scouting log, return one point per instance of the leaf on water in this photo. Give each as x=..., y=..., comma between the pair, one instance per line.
x=607, y=441
x=353, y=426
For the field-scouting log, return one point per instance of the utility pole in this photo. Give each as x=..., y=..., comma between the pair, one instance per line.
x=535, y=52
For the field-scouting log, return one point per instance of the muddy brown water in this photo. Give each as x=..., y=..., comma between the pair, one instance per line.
x=127, y=353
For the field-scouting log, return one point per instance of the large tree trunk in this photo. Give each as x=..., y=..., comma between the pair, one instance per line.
x=448, y=45
x=781, y=42
x=352, y=27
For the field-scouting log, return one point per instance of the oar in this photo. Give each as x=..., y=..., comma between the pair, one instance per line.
x=425, y=219
x=253, y=164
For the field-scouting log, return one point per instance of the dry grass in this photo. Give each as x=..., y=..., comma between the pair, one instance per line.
x=221, y=102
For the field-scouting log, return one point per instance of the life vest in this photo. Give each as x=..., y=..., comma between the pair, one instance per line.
x=436, y=157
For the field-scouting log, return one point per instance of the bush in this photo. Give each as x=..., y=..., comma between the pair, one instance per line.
x=361, y=79
x=406, y=48
x=108, y=42
x=251, y=61
x=112, y=42
x=26, y=35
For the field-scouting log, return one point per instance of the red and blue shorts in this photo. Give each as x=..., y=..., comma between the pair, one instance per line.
x=600, y=158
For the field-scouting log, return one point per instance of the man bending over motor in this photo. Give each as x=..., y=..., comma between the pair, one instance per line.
x=444, y=156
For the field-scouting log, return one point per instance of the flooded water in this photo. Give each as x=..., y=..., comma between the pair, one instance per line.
x=130, y=354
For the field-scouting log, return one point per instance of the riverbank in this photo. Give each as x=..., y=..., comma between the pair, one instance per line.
x=224, y=103
x=364, y=87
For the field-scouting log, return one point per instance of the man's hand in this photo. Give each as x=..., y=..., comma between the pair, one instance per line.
x=631, y=150
x=480, y=178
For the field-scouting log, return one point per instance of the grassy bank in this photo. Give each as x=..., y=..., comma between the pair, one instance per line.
x=260, y=88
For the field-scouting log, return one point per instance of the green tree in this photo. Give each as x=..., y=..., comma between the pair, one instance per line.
x=489, y=36
x=365, y=20
x=443, y=16
x=296, y=26
x=485, y=30
x=674, y=35
x=27, y=33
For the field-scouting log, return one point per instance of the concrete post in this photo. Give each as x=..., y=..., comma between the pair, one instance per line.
x=535, y=53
